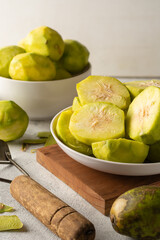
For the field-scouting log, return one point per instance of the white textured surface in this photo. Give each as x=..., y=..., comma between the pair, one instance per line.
x=33, y=229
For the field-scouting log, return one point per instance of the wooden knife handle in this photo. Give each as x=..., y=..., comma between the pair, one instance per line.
x=60, y=218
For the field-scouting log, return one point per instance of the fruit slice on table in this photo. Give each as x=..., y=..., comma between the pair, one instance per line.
x=143, y=116
x=76, y=104
x=103, y=89
x=32, y=67
x=120, y=150
x=136, y=87
x=98, y=121
x=63, y=132
x=10, y=223
x=44, y=41
x=6, y=55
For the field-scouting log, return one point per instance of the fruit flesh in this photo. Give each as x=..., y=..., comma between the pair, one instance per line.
x=103, y=89
x=120, y=150
x=136, y=87
x=136, y=213
x=143, y=116
x=75, y=56
x=32, y=67
x=10, y=223
x=76, y=104
x=63, y=132
x=13, y=121
x=44, y=41
x=6, y=55
x=98, y=121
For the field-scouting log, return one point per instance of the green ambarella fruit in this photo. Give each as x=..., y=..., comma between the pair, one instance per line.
x=10, y=223
x=75, y=56
x=61, y=73
x=120, y=150
x=103, y=89
x=13, y=121
x=136, y=213
x=63, y=132
x=97, y=121
x=143, y=116
x=6, y=55
x=44, y=41
x=76, y=104
x=136, y=87
x=32, y=67
x=154, y=153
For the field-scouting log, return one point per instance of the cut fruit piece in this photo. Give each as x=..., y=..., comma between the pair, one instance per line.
x=98, y=121
x=143, y=116
x=120, y=150
x=10, y=223
x=154, y=153
x=76, y=104
x=103, y=89
x=136, y=87
x=63, y=132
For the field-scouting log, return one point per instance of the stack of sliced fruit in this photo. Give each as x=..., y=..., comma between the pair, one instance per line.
x=105, y=123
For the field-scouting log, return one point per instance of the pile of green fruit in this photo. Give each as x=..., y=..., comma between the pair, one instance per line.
x=43, y=55
x=105, y=122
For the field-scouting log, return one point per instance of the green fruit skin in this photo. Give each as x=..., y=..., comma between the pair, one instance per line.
x=32, y=67
x=136, y=213
x=63, y=132
x=154, y=153
x=75, y=56
x=134, y=91
x=44, y=41
x=6, y=55
x=13, y=121
x=152, y=135
x=10, y=223
x=120, y=150
x=61, y=73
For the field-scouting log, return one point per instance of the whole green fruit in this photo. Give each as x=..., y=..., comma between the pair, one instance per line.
x=75, y=56
x=136, y=213
x=13, y=121
x=6, y=55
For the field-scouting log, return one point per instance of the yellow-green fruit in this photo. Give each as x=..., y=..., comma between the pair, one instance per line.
x=136, y=213
x=63, y=132
x=143, y=116
x=103, y=89
x=6, y=55
x=136, y=87
x=32, y=67
x=120, y=150
x=97, y=121
x=10, y=223
x=13, y=121
x=154, y=153
x=75, y=56
x=61, y=73
x=44, y=41
x=76, y=104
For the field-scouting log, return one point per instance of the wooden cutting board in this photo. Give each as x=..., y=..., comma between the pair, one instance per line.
x=98, y=188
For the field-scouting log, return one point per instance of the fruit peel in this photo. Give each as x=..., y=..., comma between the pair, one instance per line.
x=10, y=223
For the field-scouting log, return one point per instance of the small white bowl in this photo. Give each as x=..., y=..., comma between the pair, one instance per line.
x=41, y=99
x=128, y=169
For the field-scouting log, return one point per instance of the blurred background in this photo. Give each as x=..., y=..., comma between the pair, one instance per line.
x=123, y=36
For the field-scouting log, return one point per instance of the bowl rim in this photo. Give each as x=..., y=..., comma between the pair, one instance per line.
x=89, y=157
x=85, y=70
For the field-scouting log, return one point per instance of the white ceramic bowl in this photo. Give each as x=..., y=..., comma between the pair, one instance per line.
x=128, y=169
x=41, y=99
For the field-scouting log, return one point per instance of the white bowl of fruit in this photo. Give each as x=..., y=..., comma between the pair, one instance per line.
x=40, y=74
x=108, y=131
